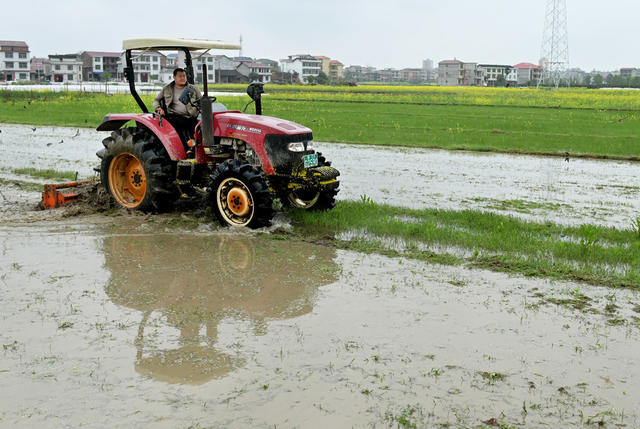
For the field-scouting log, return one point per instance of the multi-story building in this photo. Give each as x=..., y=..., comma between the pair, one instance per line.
x=324, y=63
x=490, y=73
x=262, y=72
x=40, y=69
x=95, y=64
x=146, y=65
x=629, y=72
x=413, y=75
x=198, y=59
x=331, y=68
x=388, y=75
x=527, y=73
x=458, y=73
x=427, y=64
x=14, y=60
x=273, y=65
x=225, y=70
x=303, y=64
x=335, y=70
x=66, y=68
x=360, y=73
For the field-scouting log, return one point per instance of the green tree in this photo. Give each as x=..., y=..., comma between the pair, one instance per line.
x=587, y=80
x=500, y=80
x=597, y=81
x=253, y=76
x=322, y=79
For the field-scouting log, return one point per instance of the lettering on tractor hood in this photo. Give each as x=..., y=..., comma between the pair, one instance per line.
x=244, y=128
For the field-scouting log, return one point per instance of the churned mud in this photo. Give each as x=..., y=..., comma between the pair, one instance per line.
x=133, y=321
x=572, y=191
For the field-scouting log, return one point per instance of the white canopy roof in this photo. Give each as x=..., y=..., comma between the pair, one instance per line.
x=171, y=43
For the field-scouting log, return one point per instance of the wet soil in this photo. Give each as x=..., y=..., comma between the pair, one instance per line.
x=131, y=321
x=117, y=319
x=576, y=191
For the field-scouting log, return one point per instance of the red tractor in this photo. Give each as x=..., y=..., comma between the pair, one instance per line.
x=239, y=162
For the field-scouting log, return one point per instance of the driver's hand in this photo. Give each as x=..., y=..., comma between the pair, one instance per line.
x=160, y=111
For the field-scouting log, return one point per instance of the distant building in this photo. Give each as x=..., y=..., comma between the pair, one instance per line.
x=360, y=74
x=95, y=64
x=335, y=70
x=576, y=75
x=273, y=64
x=427, y=64
x=66, y=68
x=249, y=68
x=147, y=65
x=198, y=59
x=413, y=75
x=40, y=69
x=527, y=73
x=225, y=70
x=14, y=60
x=304, y=65
x=491, y=72
x=458, y=73
x=629, y=72
x=324, y=63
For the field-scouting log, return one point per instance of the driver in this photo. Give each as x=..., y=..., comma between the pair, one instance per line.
x=182, y=117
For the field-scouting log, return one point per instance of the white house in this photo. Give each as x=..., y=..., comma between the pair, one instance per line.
x=14, y=60
x=66, y=68
x=263, y=71
x=146, y=65
x=198, y=59
x=304, y=65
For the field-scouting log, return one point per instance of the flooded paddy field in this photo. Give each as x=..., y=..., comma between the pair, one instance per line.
x=130, y=321
x=576, y=191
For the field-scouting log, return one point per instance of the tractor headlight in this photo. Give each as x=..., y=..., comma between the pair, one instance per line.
x=299, y=146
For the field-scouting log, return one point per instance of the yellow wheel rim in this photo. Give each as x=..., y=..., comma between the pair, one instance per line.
x=127, y=180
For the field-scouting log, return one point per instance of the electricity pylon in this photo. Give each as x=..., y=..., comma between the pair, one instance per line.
x=555, y=44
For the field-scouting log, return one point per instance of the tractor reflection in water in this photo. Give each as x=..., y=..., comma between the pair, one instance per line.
x=194, y=284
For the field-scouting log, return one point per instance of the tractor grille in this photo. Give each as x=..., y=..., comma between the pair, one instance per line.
x=283, y=160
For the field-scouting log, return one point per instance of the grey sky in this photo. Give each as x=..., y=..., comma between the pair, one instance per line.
x=377, y=33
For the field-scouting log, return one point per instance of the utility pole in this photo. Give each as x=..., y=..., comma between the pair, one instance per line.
x=240, y=53
x=555, y=44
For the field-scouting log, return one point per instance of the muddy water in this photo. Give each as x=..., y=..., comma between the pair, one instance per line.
x=538, y=188
x=125, y=322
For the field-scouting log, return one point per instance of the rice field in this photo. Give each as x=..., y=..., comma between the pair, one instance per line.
x=580, y=122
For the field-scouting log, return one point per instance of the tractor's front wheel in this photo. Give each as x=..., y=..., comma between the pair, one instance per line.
x=310, y=199
x=239, y=196
x=136, y=170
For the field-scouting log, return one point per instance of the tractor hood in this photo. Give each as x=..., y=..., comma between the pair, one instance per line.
x=242, y=125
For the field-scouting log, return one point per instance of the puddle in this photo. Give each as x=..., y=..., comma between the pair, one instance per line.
x=118, y=323
x=534, y=188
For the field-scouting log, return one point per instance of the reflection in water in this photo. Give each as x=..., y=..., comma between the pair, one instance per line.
x=195, y=281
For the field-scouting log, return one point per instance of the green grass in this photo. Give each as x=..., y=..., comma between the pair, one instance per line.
x=588, y=253
x=583, y=123
x=45, y=173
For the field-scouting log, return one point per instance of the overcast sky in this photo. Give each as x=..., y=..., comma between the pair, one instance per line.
x=602, y=35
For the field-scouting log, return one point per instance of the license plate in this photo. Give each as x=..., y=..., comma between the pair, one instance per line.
x=311, y=160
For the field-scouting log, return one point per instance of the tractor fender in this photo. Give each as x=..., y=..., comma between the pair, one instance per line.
x=167, y=135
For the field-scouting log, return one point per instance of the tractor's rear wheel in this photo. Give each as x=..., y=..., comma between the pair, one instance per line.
x=311, y=199
x=136, y=170
x=239, y=196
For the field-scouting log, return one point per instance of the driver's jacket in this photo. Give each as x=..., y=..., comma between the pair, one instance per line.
x=167, y=95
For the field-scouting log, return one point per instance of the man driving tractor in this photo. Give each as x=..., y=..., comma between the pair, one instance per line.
x=182, y=117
